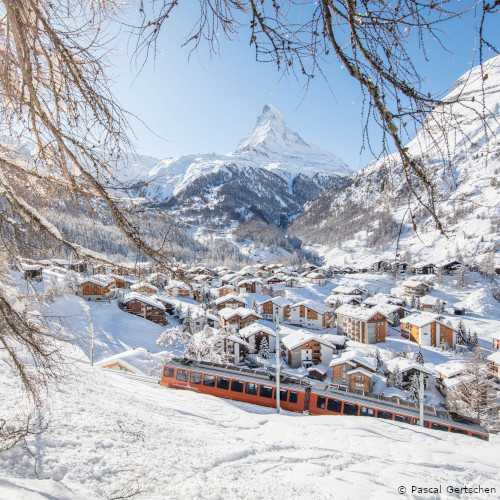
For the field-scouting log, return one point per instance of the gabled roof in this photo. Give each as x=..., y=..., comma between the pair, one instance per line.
x=242, y=312
x=414, y=283
x=229, y=297
x=278, y=301
x=136, y=360
x=313, y=305
x=255, y=328
x=494, y=358
x=360, y=313
x=150, y=301
x=357, y=357
x=101, y=281
x=450, y=368
x=359, y=369
x=141, y=284
x=347, y=290
x=301, y=337
x=405, y=364
x=422, y=319
x=494, y=336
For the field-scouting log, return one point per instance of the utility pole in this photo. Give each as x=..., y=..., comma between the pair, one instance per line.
x=421, y=399
x=277, y=320
x=91, y=328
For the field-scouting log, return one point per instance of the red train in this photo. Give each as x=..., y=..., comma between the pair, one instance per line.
x=257, y=388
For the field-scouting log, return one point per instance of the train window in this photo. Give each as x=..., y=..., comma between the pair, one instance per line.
x=402, y=418
x=334, y=405
x=182, y=375
x=195, y=378
x=350, y=409
x=385, y=414
x=320, y=403
x=283, y=394
x=169, y=372
x=209, y=380
x=479, y=436
x=251, y=388
x=439, y=427
x=222, y=383
x=458, y=431
x=367, y=412
x=293, y=397
x=236, y=386
x=266, y=392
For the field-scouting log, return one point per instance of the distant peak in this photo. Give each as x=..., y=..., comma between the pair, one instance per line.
x=269, y=110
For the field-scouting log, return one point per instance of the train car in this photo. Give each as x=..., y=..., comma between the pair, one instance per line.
x=255, y=387
x=327, y=403
x=248, y=386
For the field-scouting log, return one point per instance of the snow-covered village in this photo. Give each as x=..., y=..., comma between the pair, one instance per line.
x=197, y=301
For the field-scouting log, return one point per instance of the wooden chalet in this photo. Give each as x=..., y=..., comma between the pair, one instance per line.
x=254, y=334
x=96, y=288
x=178, y=289
x=310, y=314
x=144, y=287
x=415, y=288
x=494, y=361
x=355, y=370
x=232, y=301
x=250, y=286
x=145, y=307
x=277, y=306
x=495, y=337
x=225, y=290
x=238, y=318
x=302, y=348
x=428, y=330
x=316, y=278
x=169, y=304
x=32, y=272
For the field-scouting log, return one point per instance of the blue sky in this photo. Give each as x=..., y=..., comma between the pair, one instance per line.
x=204, y=105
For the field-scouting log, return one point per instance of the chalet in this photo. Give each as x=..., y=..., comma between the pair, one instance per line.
x=235, y=348
x=415, y=288
x=32, y=272
x=431, y=304
x=316, y=278
x=383, y=298
x=337, y=300
x=317, y=372
x=122, y=282
x=96, y=288
x=158, y=279
x=423, y=268
x=231, y=279
x=494, y=361
x=408, y=369
x=232, y=301
x=450, y=266
x=178, y=289
x=338, y=341
x=495, y=337
x=203, y=278
x=277, y=306
x=225, y=290
x=392, y=310
x=449, y=375
x=144, y=306
x=145, y=288
x=291, y=282
x=255, y=333
x=136, y=361
x=238, y=318
x=347, y=290
x=274, y=280
x=78, y=266
x=168, y=303
x=199, y=321
x=427, y=329
x=302, y=348
x=250, y=286
x=354, y=369
x=310, y=314
x=362, y=324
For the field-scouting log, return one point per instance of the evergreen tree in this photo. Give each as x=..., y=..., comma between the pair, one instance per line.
x=397, y=378
x=462, y=334
x=380, y=363
x=188, y=320
x=463, y=277
x=255, y=307
x=417, y=303
x=396, y=322
x=473, y=341
x=413, y=302
x=419, y=356
x=264, y=349
x=439, y=275
x=414, y=389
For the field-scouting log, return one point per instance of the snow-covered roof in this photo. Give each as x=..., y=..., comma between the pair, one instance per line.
x=313, y=305
x=137, y=360
x=229, y=297
x=388, y=309
x=141, y=284
x=255, y=328
x=315, y=276
x=177, y=284
x=318, y=368
x=102, y=281
x=359, y=369
x=30, y=267
x=450, y=368
x=494, y=358
x=360, y=313
x=422, y=319
x=300, y=337
x=278, y=301
x=429, y=300
x=236, y=339
x=337, y=340
x=346, y=290
x=243, y=312
x=405, y=364
x=143, y=298
x=413, y=283
x=356, y=356
x=494, y=336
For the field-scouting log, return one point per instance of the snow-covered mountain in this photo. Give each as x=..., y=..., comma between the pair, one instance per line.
x=459, y=147
x=270, y=176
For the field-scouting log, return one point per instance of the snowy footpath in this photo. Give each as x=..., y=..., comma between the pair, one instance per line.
x=110, y=436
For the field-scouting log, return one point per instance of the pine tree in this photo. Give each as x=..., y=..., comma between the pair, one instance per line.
x=439, y=275
x=264, y=349
x=473, y=341
x=255, y=307
x=397, y=378
x=380, y=363
x=188, y=320
x=417, y=303
x=463, y=277
x=396, y=322
x=419, y=356
x=462, y=334
x=414, y=389
x=413, y=302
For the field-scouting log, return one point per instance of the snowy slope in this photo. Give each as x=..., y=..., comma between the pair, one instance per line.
x=460, y=151
x=110, y=435
x=279, y=169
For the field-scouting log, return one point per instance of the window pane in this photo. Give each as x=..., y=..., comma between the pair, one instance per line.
x=182, y=375
x=439, y=427
x=293, y=396
x=321, y=402
x=367, y=412
x=402, y=418
x=222, y=383
x=283, y=394
x=266, y=392
x=195, y=378
x=384, y=414
x=334, y=405
x=350, y=409
x=236, y=386
x=251, y=388
x=458, y=431
x=169, y=372
x=209, y=380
